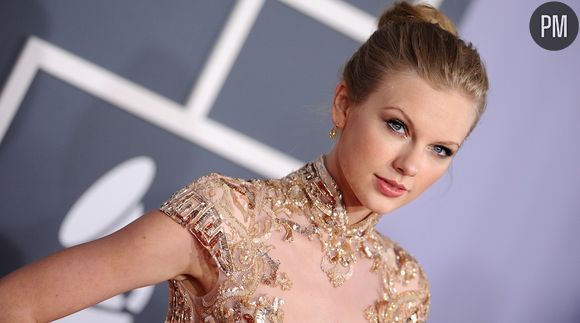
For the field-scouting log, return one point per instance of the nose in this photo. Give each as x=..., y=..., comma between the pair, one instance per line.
x=407, y=162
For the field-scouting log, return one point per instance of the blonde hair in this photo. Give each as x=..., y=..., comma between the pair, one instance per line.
x=422, y=39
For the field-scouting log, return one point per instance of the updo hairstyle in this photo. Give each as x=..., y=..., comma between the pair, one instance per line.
x=421, y=39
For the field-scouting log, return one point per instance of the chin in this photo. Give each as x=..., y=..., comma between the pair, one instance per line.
x=386, y=209
x=382, y=204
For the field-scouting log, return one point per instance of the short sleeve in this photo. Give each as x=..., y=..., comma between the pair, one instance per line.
x=192, y=208
x=406, y=295
x=423, y=310
x=412, y=285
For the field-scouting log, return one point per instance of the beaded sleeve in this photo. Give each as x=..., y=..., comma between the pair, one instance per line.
x=198, y=215
x=221, y=213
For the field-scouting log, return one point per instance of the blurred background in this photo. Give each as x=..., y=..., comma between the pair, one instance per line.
x=108, y=107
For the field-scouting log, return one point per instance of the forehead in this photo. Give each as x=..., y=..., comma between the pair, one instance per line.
x=444, y=114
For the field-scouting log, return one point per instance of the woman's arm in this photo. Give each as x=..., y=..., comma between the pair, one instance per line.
x=152, y=249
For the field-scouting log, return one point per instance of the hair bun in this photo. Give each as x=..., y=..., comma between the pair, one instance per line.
x=404, y=11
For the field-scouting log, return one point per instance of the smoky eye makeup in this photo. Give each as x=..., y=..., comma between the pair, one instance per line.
x=397, y=126
x=400, y=128
x=443, y=151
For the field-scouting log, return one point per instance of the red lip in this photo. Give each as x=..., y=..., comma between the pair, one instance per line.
x=389, y=187
x=393, y=183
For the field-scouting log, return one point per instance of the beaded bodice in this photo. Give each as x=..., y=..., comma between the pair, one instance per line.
x=240, y=223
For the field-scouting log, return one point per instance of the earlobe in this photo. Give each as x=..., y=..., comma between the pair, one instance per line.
x=340, y=105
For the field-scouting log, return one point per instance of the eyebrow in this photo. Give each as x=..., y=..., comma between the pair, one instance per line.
x=450, y=143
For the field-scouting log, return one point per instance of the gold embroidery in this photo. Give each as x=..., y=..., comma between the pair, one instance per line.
x=196, y=214
x=234, y=220
x=180, y=304
x=398, y=270
x=340, y=241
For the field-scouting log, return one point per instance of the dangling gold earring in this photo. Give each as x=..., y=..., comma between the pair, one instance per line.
x=332, y=133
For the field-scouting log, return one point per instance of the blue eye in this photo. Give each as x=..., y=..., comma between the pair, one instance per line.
x=397, y=126
x=442, y=151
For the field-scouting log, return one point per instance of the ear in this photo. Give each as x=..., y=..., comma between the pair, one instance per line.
x=340, y=105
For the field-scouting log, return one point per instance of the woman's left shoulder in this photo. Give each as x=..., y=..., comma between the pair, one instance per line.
x=397, y=258
x=405, y=281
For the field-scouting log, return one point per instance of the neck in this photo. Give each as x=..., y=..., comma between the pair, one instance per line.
x=356, y=215
x=355, y=211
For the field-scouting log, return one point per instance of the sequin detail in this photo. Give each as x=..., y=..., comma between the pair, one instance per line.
x=234, y=220
x=200, y=218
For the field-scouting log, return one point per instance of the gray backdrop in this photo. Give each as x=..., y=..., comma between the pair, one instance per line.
x=498, y=235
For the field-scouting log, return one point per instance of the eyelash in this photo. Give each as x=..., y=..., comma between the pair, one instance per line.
x=391, y=123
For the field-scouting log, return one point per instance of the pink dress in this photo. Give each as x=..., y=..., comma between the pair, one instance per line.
x=237, y=222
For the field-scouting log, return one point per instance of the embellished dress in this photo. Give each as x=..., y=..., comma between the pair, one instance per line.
x=259, y=234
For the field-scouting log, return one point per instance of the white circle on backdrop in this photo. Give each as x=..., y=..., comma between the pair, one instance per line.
x=111, y=203
x=108, y=203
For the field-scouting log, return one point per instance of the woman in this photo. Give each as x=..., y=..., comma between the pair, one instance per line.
x=303, y=248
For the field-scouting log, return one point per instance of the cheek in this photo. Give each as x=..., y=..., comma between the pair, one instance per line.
x=428, y=177
x=366, y=138
x=357, y=145
x=365, y=149
x=354, y=150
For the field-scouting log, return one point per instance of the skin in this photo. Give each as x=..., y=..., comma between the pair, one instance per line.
x=154, y=248
x=403, y=132
x=148, y=251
